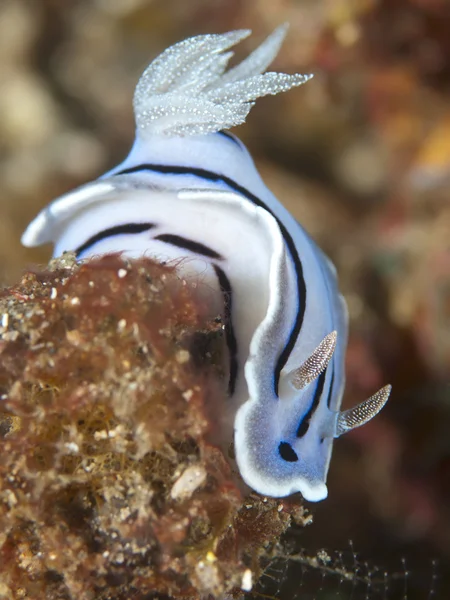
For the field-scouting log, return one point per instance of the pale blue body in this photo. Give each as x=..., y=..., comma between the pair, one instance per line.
x=269, y=419
x=188, y=190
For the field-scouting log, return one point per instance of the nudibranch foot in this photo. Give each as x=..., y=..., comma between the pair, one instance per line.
x=363, y=412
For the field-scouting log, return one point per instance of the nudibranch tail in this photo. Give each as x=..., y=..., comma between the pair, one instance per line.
x=186, y=92
x=362, y=413
x=315, y=364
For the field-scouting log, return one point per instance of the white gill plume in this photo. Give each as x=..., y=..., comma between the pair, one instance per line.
x=186, y=91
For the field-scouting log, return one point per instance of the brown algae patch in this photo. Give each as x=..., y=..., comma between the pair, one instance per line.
x=112, y=386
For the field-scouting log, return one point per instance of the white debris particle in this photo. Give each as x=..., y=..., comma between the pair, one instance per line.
x=182, y=356
x=72, y=447
x=125, y=513
x=10, y=498
x=247, y=581
x=324, y=557
x=208, y=577
x=192, y=478
x=53, y=293
x=122, y=273
x=187, y=395
x=5, y=320
x=117, y=431
x=75, y=301
x=121, y=325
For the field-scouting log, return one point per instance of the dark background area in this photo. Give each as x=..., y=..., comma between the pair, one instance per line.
x=361, y=156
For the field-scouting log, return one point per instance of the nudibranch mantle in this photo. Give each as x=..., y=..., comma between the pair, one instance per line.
x=190, y=189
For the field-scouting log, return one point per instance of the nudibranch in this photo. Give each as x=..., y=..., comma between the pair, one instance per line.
x=189, y=188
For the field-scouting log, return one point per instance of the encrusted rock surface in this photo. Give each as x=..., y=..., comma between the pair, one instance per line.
x=112, y=390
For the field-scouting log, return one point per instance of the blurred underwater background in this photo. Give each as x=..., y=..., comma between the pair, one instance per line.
x=361, y=156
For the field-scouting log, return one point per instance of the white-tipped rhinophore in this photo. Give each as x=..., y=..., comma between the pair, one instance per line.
x=315, y=364
x=364, y=412
x=185, y=91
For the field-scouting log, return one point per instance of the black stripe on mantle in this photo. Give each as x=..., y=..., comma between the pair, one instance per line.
x=126, y=228
x=217, y=177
